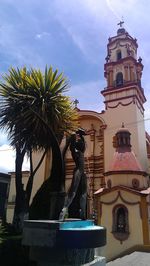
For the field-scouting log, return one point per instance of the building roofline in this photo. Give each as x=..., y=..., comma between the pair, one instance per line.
x=132, y=172
x=5, y=175
x=119, y=187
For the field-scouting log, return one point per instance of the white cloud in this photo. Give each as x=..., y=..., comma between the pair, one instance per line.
x=7, y=159
x=3, y=138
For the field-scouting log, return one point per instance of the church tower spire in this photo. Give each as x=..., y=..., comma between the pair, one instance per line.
x=122, y=69
x=123, y=94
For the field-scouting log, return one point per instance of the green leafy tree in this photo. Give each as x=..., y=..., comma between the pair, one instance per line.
x=35, y=113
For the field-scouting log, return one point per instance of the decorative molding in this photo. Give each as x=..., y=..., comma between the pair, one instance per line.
x=112, y=201
x=127, y=38
x=123, y=200
x=134, y=86
x=135, y=100
x=119, y=103
x=125, y=172
x=87, y=114
x=144, y=216
x=135, y=183
x=128, y=59
x=121, y=236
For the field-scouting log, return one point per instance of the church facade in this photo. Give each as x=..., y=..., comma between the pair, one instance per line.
x=117, y=153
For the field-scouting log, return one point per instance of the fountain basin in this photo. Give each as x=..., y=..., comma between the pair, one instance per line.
x=81, y=234
x=69, y=242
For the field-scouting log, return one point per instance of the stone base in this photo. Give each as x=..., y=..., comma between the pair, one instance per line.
x=61, y=257
x=98, y=261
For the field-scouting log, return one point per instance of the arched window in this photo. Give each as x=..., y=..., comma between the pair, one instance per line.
x=121, y=220
x=119, y=79
x=109, y=183
x=119, y=55
x=120, y=227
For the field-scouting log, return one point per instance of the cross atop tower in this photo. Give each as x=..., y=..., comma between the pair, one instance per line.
x=76, y=103
x=120, y=23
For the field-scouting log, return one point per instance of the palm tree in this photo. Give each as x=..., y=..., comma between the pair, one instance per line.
x=35, y=113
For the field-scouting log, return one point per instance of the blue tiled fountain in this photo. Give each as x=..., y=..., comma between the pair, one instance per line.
x=69, y=242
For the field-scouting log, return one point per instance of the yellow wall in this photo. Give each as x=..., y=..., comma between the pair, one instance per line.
x=114, y=247
x=94, y=147
x=38, y=180
x=12, y=194
x=39, y=176
x=126, y=180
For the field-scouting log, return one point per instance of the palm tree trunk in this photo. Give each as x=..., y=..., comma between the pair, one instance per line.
x=54, y=185
x=31, y=178
x=57, y=173
x=20, y=195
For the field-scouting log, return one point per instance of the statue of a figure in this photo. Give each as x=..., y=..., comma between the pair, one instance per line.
x=77, y=148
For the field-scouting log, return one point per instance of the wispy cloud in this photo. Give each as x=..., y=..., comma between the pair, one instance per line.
x=83, y=23
x=42, y=34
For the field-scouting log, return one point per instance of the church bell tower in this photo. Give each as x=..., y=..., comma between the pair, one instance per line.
x=124, y=95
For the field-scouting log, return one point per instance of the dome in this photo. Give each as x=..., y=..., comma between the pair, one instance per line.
x=123, y=129
x=125, y=161
x=124, y=158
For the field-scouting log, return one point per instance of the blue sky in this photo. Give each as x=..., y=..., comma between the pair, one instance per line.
x=71, y=35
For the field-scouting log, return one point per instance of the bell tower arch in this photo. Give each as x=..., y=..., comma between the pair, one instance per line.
x=124, y=96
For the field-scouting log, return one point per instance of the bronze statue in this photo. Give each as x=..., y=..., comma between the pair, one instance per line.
x=77, y=148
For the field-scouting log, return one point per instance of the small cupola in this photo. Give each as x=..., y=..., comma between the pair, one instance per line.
x=125, y=169
x=123, y=138
x=124, y=159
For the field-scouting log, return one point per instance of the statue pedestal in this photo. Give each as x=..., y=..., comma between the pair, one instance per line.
x=71, y=242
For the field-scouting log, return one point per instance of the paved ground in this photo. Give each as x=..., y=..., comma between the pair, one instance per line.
x=134, y=259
